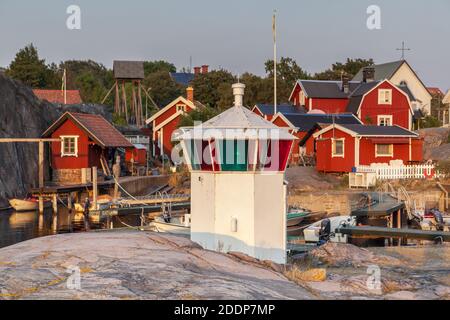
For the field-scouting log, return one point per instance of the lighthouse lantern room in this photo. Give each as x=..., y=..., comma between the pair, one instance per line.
x=238, y=195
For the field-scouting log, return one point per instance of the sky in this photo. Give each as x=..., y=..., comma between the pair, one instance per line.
x=233, y=34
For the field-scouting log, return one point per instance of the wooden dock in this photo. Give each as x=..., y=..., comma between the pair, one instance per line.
x=381, y=232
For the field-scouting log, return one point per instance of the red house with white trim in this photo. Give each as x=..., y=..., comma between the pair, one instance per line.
x=304, y=125
x=87, y=140
x=382, y=103
x=340, y=147
x=166, y=120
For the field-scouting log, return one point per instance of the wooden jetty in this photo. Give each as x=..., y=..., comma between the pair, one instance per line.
x=382, y=232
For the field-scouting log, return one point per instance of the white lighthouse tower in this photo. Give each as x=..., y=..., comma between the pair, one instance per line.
x=238, y=197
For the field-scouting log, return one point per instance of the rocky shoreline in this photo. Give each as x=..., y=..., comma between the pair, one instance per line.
x=131, y=264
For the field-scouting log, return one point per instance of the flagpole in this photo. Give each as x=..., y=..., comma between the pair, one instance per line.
x=274, y=63
x=64, y=88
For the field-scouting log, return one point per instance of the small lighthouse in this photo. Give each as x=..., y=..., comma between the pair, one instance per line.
x=238, y=196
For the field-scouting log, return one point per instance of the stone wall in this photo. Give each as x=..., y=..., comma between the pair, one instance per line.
x=72, y=176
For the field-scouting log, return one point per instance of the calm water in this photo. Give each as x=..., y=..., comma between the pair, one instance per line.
x=20, y=226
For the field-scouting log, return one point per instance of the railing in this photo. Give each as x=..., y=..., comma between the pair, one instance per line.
x=400, y=172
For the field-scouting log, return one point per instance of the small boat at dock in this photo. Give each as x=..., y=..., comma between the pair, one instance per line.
x=27, y=204
x=176, y=225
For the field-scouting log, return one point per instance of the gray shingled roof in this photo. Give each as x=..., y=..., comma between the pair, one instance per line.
x=326, y=89
x=304, y=122
x=382, y=71
x=268, y=109
x=128, y=69
x=365, y=130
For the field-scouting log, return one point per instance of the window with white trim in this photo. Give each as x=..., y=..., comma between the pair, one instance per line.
x=69, y=146
x=181, y=107
x=302, y=98
x=384, y=150
x=385, y=120
x=384, y=96
x=337, y=146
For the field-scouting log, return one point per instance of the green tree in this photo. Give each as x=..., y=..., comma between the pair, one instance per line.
x=429, y=122
x=162, y=88
x=200, y=114
x=157, y=66
x=349, y=68
x=209, y=88
x=30, y=69
x=287, y=70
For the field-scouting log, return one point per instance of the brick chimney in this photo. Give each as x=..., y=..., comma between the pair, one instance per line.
x=197, y=70
x=368, y=74
x=205, y=68
x=190, y=94
x=345, y=84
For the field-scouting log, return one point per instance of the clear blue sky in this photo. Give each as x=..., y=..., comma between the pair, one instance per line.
x=233, y=34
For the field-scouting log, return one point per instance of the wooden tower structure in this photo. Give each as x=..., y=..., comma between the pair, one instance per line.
x=129, y=72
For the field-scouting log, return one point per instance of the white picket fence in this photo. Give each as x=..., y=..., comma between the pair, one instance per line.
x=400, y=172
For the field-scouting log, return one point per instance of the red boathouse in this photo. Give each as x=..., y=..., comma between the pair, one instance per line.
x=87, y=140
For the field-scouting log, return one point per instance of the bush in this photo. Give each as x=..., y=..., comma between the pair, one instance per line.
x=429, y=122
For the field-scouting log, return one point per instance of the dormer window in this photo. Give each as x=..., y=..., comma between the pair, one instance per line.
x=302, y=98
x=181, y=107
x=69, y=146
x=385, y=96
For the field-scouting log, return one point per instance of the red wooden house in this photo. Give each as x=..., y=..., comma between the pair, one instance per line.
x=382, y=103
x=304, y=125
x=327, y=96
x=136, y=154
x=87, y=140
x=341, y=147
x=166, y=120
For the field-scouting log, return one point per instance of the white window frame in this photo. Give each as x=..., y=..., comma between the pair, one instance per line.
x=333, y=148
x=69, y=154
x=385, y=117
x=302, y=98
x=181, y=107
x=391, y=150
x=382, y=96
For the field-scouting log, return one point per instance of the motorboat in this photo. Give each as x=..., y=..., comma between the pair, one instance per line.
x=311, y=233
x=174, y=225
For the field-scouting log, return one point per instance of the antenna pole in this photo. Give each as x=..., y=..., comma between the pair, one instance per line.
x=274, y=30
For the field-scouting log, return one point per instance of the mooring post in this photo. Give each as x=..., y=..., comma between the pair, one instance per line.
x=69, y=200
x=94, y=187
x=41, y=204
x=55, y=203
x=116, y=173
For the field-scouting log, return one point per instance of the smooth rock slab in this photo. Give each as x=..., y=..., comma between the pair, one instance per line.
x=133, y=265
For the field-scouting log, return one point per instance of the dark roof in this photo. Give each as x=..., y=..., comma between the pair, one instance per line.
x=128, y=69
x=382, y=71
x=377, y=204
x=418, y=114
x=183, y=78
x=304, y=122
x=282, y=108
x=365, y=130
x=326, y=89
x=406, y=90
x=98, y=129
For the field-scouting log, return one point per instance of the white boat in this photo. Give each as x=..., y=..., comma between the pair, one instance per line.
x=177, y=225
x=29, y=204
x=311, y=233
